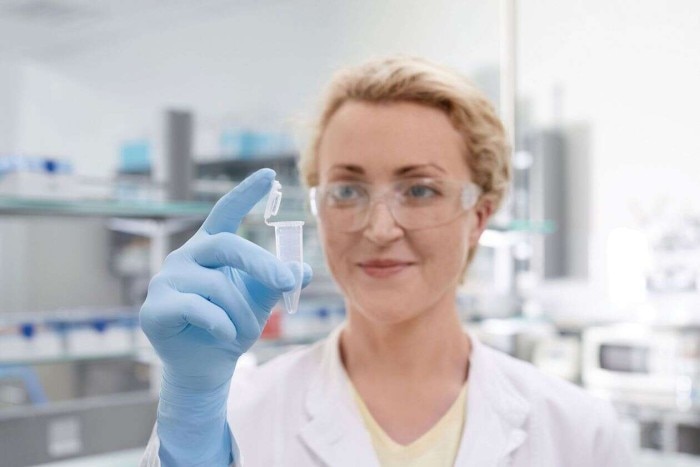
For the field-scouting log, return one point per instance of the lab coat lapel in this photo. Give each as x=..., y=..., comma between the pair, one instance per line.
x=496, y=413
x=334, y=431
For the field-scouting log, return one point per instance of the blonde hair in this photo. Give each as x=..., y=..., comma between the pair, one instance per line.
x=410, y=79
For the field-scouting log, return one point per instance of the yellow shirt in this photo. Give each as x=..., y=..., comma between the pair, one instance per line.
x=436, y=448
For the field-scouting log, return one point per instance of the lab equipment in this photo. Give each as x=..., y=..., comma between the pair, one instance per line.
x=68, y=334
x=204, y=309
x=36, y=177
x=238, y=142
x=135, y=157
x=644, y=364
x=288, y=243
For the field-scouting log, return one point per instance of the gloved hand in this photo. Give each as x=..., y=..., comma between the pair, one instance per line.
x=204, y=309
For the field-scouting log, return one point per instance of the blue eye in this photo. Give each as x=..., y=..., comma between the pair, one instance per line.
x=346, y=193
x=421, y=192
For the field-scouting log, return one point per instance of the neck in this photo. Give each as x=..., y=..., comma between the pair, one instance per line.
x=429, y=346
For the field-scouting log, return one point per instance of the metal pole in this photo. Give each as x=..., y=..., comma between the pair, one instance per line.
x=508, y=67
x=505, y=280
x=178, y=154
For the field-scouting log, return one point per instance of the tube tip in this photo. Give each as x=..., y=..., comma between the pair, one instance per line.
x=291, y=301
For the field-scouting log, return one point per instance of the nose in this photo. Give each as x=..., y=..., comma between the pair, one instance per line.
x=381, y=226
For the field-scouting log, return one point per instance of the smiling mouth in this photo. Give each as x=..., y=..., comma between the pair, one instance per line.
x=382, y=270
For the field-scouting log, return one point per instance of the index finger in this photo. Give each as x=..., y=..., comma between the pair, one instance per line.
x=227, y=213
x=227, y=249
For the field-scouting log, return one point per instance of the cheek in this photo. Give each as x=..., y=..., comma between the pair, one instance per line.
x=335, y=246
x=445, y=251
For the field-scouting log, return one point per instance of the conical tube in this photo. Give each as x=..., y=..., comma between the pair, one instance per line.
x=289, y=244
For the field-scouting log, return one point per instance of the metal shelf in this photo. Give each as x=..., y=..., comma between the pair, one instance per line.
x=543, y=227
x=237, y=169
x=66, y=358
x=14, y=206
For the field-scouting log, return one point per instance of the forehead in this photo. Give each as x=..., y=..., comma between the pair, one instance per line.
x=381, y=138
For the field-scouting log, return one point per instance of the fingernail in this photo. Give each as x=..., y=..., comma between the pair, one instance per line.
x=256, y=178
x=267, y=174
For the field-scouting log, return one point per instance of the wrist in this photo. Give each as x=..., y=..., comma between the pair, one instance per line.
x=180, y=392
x=204, y=379
x=192, y=425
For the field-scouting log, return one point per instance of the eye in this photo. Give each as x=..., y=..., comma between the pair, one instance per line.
x=421, y=191
x=346, y=192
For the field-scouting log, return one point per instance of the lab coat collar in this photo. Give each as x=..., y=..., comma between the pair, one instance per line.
x=496, y=413
x=335, y=432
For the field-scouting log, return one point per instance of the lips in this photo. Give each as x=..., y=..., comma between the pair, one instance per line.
x=380, y=268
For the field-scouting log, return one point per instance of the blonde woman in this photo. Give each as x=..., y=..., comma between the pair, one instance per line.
x=407, y=166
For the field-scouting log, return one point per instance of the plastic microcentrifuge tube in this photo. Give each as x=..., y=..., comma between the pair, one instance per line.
x=289, y=245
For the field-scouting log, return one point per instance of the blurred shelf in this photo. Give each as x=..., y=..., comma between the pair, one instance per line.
x=13, y=206
x=651, y=458
x=268, y=348
x=76, y=315
x=68, y=358
x=241, y=168
x=122, y=458
x=264, y=346
x=525, y=226
x=90, y=426
x=289, y=341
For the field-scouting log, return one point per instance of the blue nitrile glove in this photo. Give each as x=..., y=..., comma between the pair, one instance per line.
x=204, y=309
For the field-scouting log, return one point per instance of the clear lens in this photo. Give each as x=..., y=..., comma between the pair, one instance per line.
x=414, y=203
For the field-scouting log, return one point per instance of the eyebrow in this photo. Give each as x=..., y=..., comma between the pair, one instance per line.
x=400, y=171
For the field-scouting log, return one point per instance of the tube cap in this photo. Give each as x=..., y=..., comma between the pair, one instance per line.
x=273, y=200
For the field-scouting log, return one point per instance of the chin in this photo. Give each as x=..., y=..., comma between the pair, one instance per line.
x=387, y=308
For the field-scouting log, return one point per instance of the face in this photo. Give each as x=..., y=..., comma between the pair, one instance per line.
x=380, y=144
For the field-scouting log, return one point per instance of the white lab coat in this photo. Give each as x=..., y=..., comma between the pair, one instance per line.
x=297, y=410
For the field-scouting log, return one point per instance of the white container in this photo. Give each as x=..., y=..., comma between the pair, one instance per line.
x=18, y=348
x=88, y=341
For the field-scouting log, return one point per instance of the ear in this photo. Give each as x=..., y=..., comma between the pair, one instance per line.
x=482, y=212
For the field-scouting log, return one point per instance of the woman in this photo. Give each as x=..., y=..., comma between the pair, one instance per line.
x=407, y=166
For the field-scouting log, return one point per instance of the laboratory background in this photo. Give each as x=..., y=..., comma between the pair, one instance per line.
x=121, y=122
